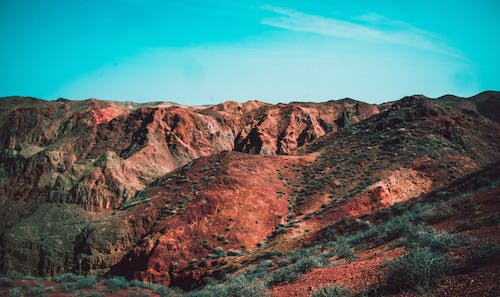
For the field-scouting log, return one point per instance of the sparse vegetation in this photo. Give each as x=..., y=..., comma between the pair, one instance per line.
x=299, y=266
x=28, y=291
x=68, y=277
x=239, y=286
x=335, y=291
x=92, y=294
x=138, y=294
x=420, y=268
x=116, y=283
x=6, y=281
x=487, y=251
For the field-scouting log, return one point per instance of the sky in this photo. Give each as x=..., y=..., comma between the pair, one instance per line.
x=204, y=52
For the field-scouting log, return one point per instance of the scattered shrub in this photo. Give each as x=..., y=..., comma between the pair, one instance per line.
x=242, y=287
x=428, y=237
x=283, y=274
x=117, y=283
x=156, y=288
x=485, y=252
x=161, y=290
x=93, y=294
x=16, y=292
x=138, y=294
x=68, y=277
x=36, y=291
x=6, y=282
x=421, y=267
x=86, y=282
x=307, y=264
x=259, y=270
x=342, y=248
x=335, y=291
x=233, y=253
x=293, y=272
x=272, y=254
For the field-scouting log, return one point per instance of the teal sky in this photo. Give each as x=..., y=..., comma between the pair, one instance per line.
x=202, y=52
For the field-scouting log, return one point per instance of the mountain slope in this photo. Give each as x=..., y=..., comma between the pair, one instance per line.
x=175, y=194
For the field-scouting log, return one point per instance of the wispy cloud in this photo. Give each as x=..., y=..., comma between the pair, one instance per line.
x=373, y=27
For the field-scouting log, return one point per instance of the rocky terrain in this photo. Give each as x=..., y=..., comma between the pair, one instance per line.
x=253, y=199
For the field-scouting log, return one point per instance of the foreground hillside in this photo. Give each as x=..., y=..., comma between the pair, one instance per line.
x=340, y=197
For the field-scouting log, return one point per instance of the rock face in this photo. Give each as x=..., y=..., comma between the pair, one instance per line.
x=169, y=194
x=283, y=128
x=99, y=154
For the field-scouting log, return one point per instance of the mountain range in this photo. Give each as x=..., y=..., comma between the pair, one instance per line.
x=255, y=199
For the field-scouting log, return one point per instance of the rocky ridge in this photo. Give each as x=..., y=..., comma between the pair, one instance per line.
x=173, y=194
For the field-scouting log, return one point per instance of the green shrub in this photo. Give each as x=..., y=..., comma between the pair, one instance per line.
x=156, y=288
x=86, y=282
x=68, y=277
x=209, y=290
x=335, y=291
x=6, y=282
x=219, y=251
x=421, y=267
x=283, y=262
x=117, y=283
x=81, y=282
x=272, y=254
x=259, y=270
x=428, y=237
x=342, y=248
x=138, y=294
x=232, y=253
x=36, y=291
x=307, y=264
x=242, y=287
x=300, y=254
x=383, y=232
x=161, y=290
x=93, y=294
x=67, y=287
x=284, y=274
x=303, y=262
x=16, y=292
x=485, y=252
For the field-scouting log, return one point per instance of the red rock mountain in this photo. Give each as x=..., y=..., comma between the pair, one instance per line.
x=172, y=194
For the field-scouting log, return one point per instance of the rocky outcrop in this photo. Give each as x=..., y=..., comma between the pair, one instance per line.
x=280, y=129
x=99, y=154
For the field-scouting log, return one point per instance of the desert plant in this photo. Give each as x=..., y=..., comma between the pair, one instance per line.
x=259, y=270
x=242, y=287
x=428, y=237
x=6, y=281
x=156, y=288
x=307, y=264
x=138, y=294
x=342, y=248
x=485, y=252
x=92, y=294
x=36, y=291
x=162, y=291
x=420, y=268
x=335, y=291
x=116, y=283
x=284, y=274
x=16, y=292
x=81, y=282
x=68, y=277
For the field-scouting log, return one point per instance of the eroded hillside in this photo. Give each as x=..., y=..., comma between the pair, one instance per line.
x=173, y=194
